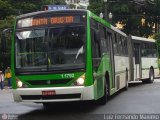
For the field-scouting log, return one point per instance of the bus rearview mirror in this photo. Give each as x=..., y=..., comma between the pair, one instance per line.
x=97, y=35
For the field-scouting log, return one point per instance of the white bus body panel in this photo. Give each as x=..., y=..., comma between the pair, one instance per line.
x=86, y=93
x=121, y=63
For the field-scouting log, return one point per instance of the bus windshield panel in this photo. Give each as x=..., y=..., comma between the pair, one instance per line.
x=50, y=48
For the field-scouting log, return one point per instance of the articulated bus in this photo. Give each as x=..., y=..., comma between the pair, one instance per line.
x=143, y=59
x=71, y=55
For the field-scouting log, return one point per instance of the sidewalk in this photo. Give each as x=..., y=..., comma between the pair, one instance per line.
x=6, y=88
x=6, y=96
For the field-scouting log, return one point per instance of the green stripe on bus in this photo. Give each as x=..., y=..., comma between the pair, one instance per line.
x=100, y=20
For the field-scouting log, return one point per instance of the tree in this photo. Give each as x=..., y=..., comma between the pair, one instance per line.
x=59, y=2
x=6, y=23
x=157, y=38
x=27, y=6
x=5, y=9
x=96, y=6
x=130, y=13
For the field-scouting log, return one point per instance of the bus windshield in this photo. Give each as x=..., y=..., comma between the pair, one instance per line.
x=54, y=48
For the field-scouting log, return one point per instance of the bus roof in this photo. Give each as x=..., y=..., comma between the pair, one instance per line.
x=142, y=39
x=43, y=12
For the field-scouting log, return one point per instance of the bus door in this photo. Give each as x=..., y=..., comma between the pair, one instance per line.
x=111, y=51
x=137, y=61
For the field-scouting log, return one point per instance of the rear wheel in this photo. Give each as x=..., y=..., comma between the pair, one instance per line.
x=151, y=76
x=126, y=86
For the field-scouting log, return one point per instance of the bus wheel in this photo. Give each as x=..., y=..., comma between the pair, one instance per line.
x=126, y=82
x=103, y=100
x=151, y=76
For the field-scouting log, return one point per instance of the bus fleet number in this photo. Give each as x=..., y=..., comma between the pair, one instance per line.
x=71, y=75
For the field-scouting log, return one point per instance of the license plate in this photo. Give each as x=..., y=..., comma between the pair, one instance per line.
x=48, y=93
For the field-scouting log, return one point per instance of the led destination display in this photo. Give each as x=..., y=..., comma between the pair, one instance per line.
x=54, y=20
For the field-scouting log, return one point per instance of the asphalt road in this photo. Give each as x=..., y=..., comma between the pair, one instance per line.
x=139, y=99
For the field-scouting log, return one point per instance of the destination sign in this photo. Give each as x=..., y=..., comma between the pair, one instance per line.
x=53, y=20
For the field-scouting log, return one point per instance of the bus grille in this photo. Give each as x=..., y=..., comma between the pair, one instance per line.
x=48, y=82
x=41, y=97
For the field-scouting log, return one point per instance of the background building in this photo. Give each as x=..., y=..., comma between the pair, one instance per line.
x=82, y=4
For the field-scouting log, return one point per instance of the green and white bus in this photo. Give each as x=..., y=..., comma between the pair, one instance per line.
x=67, y=55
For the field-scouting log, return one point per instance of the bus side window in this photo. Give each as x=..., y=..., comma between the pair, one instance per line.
x=96, y=54
x=120, y=50
x=137, y=53
x=115, y=44
x=103, y=40
x=125, y=46
x=143, y=50
x=154, y=50
x=95, y=46
x=126, y=41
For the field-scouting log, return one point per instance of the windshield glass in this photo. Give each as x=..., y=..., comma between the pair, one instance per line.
x=57, y=48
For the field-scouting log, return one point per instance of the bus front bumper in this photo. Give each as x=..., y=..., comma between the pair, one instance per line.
x=62, y=94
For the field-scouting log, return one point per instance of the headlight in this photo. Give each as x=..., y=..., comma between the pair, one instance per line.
x=80, y=81
x=20, y=84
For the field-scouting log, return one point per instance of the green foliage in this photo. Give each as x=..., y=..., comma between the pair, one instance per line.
x=6, y=23
x=5, y=8
x=123, y=8
x=26, y=6
x=157, y=38
x=72, y=6
x=96, y=6
x=130, y=13
x=59, y=2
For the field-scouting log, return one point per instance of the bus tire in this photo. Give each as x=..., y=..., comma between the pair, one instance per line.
x=151, y=75
x=103, y=100
x=126, y=81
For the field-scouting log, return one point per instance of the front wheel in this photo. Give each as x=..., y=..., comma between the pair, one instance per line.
x=103, y=100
